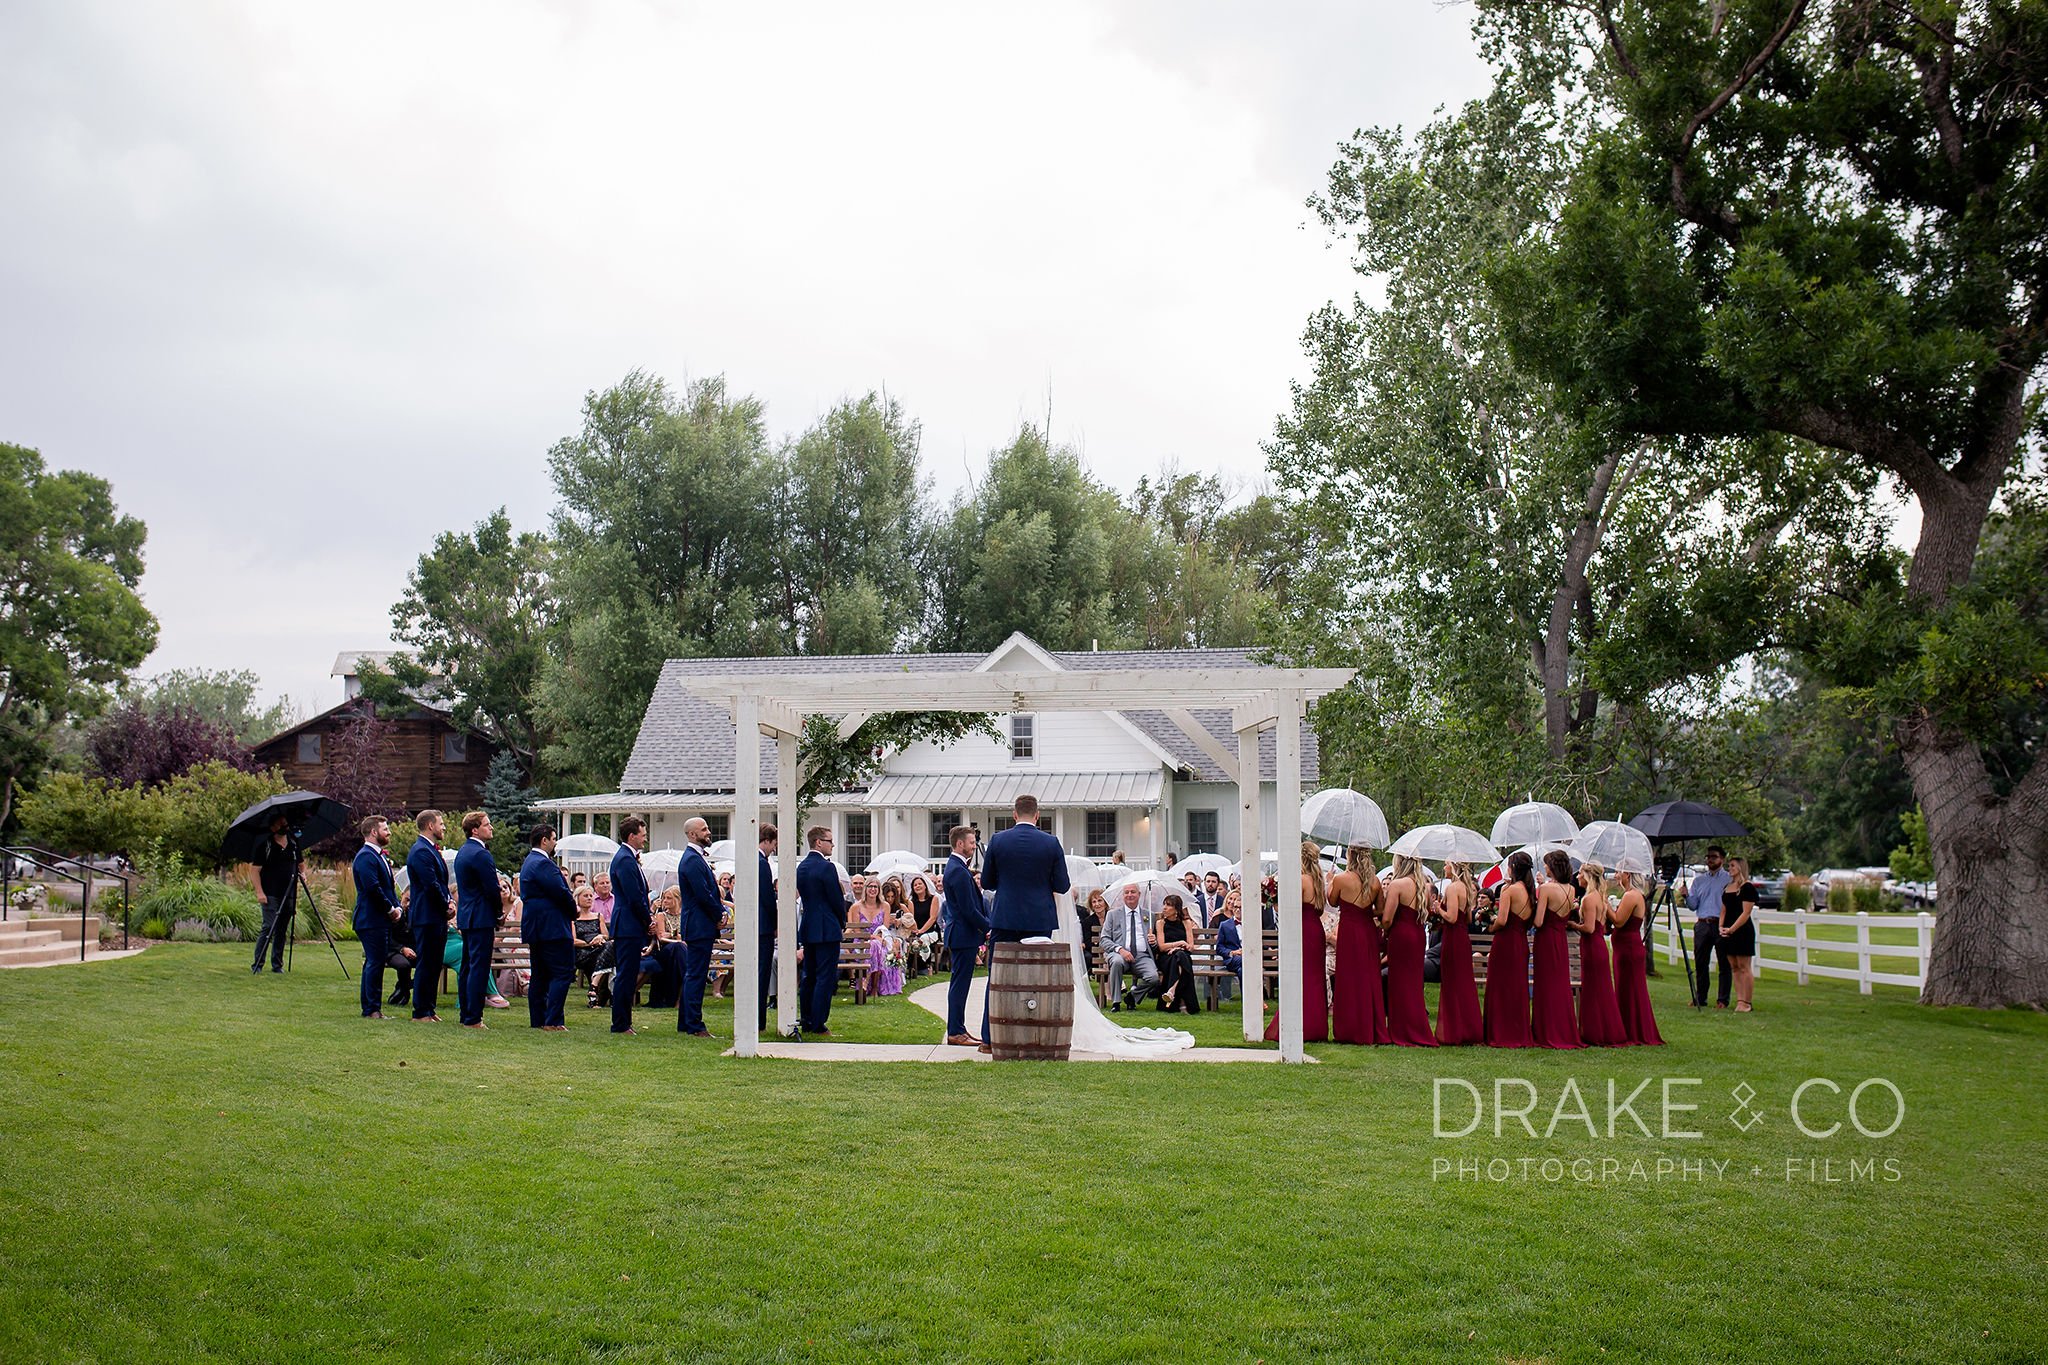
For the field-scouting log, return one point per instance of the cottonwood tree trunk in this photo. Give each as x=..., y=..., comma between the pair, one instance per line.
x=1990, y=852
x=1572, y=600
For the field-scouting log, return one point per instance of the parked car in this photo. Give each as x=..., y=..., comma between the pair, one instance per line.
x=1770, y=889
x=1826, y=877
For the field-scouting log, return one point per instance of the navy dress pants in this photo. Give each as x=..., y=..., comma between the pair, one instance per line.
x=956, y=990
x=554, y=967
x=375, y=937
x=625, y=980
x=426, y=975
x=819, y=978
x=696, y=971
x=473, y=981
x=765, y=980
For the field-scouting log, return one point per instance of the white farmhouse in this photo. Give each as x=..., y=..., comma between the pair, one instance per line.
x=1136, y=782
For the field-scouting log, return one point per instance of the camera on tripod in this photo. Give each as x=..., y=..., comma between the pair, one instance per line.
x=1667, y=867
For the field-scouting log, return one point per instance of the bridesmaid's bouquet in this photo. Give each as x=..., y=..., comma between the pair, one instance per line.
x=894, y=954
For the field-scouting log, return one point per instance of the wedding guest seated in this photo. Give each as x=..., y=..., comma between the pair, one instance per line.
x=601, y=886
x=1230, y=944
x=591, y=943
x=1172, y=939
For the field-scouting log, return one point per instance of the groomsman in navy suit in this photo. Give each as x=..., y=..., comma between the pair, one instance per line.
x=547, y=919
x=376, y=908
x=702, y=909
x=966, y=931
x=632, y=920
x=427, y=910
x=820, y=929
x=1026, y=868
x=479, y=905
x=771, y=842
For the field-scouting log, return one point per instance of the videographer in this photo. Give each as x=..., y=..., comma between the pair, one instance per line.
x=274, y=877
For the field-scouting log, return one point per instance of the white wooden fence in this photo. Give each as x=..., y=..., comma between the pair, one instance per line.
x=1880, y=964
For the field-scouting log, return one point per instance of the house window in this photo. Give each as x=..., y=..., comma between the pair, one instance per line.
x=860, y=840
x=721, y=825
x=455, y=747
x=1202, y=832
x=1023, y=738
x=1000, y=823
x=942, y=825
x=309, y=747
x=1101, y=833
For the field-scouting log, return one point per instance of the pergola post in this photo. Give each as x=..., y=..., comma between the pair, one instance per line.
x=1287, y=801
x=1253, y=976
x=746, y=878
x=786, y=1013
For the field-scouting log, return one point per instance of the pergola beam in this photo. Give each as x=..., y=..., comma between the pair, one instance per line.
x=1185, y=721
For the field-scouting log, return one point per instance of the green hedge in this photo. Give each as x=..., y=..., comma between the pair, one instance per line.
x=182, y=819
x=228, y=912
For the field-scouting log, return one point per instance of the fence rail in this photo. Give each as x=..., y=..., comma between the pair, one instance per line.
x=1876, y=963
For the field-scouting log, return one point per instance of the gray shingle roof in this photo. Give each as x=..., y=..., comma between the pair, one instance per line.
x=687, y=745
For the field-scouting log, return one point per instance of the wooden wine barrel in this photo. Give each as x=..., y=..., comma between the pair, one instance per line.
x=1031, y=1002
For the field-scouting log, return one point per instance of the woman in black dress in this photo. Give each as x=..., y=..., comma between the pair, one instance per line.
x=1171, y=938
x=1738, y=929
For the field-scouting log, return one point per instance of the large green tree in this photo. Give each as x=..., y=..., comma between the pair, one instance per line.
x=1829, y=222
x=71, y=622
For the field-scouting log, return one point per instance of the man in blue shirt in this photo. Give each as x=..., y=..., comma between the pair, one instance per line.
x=1026, y=868
x=1703, y=894
x=376, y=908
x=427, y=910
x=547, y=926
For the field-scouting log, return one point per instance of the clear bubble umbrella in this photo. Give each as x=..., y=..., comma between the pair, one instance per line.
x=1615, y=846
x=1534, y=822
x=1083, y=875
x=1340, y=815
x=897, y=862
x=1445, y=844
x=1202, y=864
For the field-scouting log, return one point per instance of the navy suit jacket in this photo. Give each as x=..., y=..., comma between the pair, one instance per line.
x=428, y=907
x=376, y=893
x=1025, y=867
x=702, y=908
x=478, y=900
x=768, y=907
x=821, y=901
x=1228, y=941
x=632, y=911
x=966, y=923
x=549, y=908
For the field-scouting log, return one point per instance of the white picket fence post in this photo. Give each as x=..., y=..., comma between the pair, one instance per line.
x=1863, y=951
x=1799, y=938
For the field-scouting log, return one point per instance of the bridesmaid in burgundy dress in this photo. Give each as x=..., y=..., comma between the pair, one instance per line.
x=1357, y=1011
x=1599, y=1010
x=1551, y=1021
x=1507, y=963
x=1632, y=966
x=1315, y=984
x=1458, y=1022
x=1402, y=904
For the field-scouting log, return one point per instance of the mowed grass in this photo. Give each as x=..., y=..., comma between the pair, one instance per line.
x=201, y=1165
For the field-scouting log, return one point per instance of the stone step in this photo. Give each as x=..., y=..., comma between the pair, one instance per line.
x=38, y=955
x=25, y=936
x=66, y=925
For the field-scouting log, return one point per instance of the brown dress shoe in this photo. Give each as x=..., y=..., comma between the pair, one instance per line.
x=984, y=1047
x=963, y=1040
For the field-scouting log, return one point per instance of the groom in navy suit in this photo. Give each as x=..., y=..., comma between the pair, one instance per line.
x=820, y=929
x=376, y=907
x=1026, y=868
x=966, y=931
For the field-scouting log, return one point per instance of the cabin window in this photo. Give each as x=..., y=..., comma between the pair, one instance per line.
x=1023, y=738
x=309, y=748
x=455, y=747
x=1202, y=832
x=1101, y=833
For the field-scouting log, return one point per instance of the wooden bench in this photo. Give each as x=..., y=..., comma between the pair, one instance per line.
x=1208, y=967
x=1482, y=945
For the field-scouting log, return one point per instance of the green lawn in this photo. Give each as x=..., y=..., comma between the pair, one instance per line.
x=203, y=1165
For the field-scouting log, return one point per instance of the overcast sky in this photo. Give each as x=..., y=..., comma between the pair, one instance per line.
x=313, y=283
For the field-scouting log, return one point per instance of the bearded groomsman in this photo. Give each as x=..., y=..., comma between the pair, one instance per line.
x=479, y=905
x=547, y=920
x=427, y=910
x=966, y=931
x=376, y=907
x=821, y=928
x=703, y=907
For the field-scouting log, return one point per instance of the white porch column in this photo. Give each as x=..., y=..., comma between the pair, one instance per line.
x=1287, y=796
x=786, y=1014
x=612, y=827
x=746, y=880
x=1254, y=974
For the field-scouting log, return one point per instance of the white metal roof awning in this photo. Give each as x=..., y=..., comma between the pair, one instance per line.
x=626, y=803
x=956, y=791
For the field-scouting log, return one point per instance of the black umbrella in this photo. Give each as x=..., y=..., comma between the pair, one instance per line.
x=1671, y=822
x=312, y=817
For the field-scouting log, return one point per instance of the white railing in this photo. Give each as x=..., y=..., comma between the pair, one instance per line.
x=1879, y=964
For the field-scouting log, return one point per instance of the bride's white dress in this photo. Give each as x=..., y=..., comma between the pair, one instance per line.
x=1093, y=1032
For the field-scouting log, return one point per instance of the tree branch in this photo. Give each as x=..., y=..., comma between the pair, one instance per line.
x=1719, y=219
x=1900, y=454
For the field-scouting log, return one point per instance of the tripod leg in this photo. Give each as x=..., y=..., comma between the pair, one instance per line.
x=1684, y=950
x=327, y=933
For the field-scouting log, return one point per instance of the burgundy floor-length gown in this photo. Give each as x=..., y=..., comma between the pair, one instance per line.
x=1632, y=985
x=1599, y=1010
x=1358, y=1014
x=1507, y=984
x=1551, y=1021
x=1315, y=989
x=1407, y=1010
x=1458, y=1021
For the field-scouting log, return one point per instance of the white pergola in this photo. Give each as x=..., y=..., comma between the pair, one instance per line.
x=777, y=705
